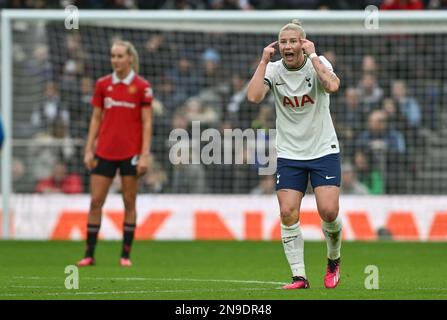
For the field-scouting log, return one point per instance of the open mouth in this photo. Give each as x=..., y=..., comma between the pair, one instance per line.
x=288, y=55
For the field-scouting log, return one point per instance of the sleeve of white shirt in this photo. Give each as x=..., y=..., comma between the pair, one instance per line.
x=268, y=78
x=326, y=63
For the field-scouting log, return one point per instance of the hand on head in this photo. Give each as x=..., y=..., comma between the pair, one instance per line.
x=307, y=46
x=269, y=51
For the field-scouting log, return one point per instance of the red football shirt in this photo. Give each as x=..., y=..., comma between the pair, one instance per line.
x=121, y=126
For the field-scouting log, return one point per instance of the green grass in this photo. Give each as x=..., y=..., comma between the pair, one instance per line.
x=177, y=270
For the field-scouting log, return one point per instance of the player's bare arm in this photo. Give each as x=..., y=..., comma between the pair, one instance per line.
x=257, y=89
x=328, y=79
x=89, y=153
x=143, y=161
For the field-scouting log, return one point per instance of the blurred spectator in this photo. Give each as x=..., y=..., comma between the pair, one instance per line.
x=77, y=57
x=409, y=109
x=370, y=92
x=155, y=180
x=437, y=4
x=44, y=152
x=52, y=115
x=119, y=4
x=195, y=110
x=229, y=4
x=84, y=4
x=330, y=56
x=220, y=175
x=210, y=71
x=74, y=67
x=402, y=5
x=367, y=172
x=179, y=120
x=369, y=65
x=152, y=65
x=245, y=174
x=408, y=106
x=189, y=178
x=40, y=66
x=182, y=5
x=379, y=137
x=167, y=93
x=265, y=118
x=349, y=119
x=349, y=182
x=389, y=148
x=294, y=4
x=266, y=185
x=151, y=5
x=21, y=180
x=393, y=115
x=186, y=176
x=237, y=106
x=184, y=77
x=432, y=106
x=80, y=111
x=343, y=4
x=60, y=181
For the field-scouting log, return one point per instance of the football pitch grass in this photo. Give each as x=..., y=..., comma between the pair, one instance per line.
x=219, y=270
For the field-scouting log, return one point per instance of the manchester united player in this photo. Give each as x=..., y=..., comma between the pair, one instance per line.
x=119, y=138
x=306, y=143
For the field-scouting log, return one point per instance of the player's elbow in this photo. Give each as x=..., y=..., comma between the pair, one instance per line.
x=253, y=97
x=333, y=87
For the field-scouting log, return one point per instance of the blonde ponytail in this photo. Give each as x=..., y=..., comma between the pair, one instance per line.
x=295, y=24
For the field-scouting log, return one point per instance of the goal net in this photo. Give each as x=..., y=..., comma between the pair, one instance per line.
x=389, y=111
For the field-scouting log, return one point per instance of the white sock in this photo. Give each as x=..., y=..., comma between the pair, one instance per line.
x=332, y=233
x=293, y=243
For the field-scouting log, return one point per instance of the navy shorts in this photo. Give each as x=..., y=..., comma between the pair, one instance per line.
x=108, y=168
x=294, y=174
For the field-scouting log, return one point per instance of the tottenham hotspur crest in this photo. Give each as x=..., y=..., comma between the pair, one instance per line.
x=309, y=84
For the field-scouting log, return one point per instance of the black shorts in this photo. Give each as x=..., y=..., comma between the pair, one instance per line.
x=104, y=167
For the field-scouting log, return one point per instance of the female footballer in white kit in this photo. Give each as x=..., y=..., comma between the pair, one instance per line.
x=306, y=143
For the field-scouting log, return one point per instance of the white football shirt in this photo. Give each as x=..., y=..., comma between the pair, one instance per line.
x=304, y=128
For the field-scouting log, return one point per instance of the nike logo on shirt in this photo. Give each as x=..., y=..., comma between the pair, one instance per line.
x=328, y=178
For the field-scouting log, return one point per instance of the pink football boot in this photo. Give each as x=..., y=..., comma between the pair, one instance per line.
x=125, y=262
x=87, y=261
x=297, y=283
x=332, y=277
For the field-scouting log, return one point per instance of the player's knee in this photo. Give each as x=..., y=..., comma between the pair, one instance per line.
x=96, y=205
x=329, y=213
x=129, y=203
x=287, y=212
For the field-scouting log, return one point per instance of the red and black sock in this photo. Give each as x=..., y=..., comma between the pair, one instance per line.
x=92, y=237
x=128, y=235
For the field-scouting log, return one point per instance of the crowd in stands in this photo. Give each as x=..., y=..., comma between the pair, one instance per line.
x=227, y=4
